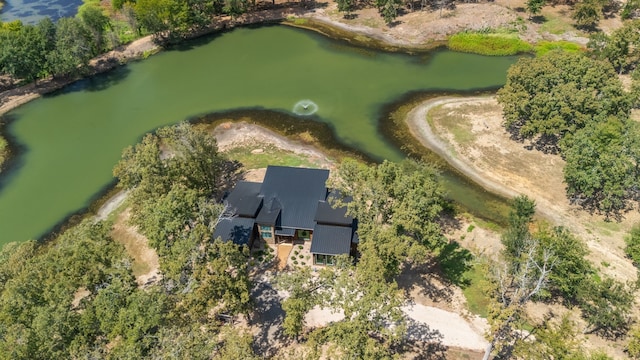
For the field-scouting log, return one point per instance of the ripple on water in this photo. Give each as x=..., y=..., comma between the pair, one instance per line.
x=305, y=107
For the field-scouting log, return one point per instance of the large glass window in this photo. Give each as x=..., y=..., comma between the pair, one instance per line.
x=265, y=234
x=319, y=259
x=265, y=228
x=330, y=260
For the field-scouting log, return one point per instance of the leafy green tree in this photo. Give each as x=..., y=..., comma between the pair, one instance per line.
x=553, y=340
x=73, y=50
x=601, y=172
x=621, y=48
x=235, y=7
x=587, y=13
x=40, y=282
x=23, y=52
x=548, y=97
x=517, y=234
x=633, y=346
x=220, y=281
x=119, y=4
x=633, y=245
x=570, y=268
x=189, y=341
x=397, y=206
x=235, y=345
x=606, y=306
x=346, y=6
x=535, y=6
x=389, y=10
x=196, y=161
x=158, y=16
x=97, y=22
x=368, y=303
x=630, y=9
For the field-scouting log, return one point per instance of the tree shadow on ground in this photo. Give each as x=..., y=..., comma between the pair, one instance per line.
x=428, y=279
x=422, y=342
x=454, y=261
x=538, y=19
x=268, y=316
x=433, y=279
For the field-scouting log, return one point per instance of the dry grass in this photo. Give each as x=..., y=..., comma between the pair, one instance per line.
x=145, y=259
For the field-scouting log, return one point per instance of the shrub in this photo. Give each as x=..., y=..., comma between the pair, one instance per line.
x=300, y=247
x=470, y=228
x=488, y=44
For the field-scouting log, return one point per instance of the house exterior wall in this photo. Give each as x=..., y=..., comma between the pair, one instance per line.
x=266, y=233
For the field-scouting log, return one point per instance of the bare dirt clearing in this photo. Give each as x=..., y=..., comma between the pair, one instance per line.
x=146, y=265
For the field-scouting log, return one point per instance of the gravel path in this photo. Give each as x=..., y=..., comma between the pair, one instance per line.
x=426, y=323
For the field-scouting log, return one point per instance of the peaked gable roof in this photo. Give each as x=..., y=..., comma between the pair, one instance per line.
x=298, y=191
x=244, y=198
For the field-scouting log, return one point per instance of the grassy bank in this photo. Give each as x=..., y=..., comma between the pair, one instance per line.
x=262, y=155
x=544, y=47
x=504, y=44
x=4, y=147
x=494, y=44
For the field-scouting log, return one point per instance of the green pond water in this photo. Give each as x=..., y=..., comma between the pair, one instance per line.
x=69, y=141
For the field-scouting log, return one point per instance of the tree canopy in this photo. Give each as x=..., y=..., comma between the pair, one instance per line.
x=549, y=97
x=576, y=105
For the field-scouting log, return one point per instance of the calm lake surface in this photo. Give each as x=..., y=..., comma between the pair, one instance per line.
x=72, y=139
x=32, y=11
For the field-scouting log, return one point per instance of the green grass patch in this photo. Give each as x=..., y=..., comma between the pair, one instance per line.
x=544, y=47
x=477, y=291
x=556, y=25
x=488, y=44
x=269, y=155
x=607, y=227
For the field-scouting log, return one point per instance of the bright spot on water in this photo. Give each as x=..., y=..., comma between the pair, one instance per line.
x=305, y=107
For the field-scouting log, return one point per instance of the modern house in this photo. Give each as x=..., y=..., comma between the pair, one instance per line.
x=290, y=205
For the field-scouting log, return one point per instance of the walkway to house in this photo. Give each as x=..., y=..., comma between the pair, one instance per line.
x=283, y=254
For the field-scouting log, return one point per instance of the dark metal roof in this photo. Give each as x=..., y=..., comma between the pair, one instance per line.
x=285, y=232
x=331, y=240
x=298, y=190
x=244, y=198
x=326, y=214
x=236, y=229
x=269, y=213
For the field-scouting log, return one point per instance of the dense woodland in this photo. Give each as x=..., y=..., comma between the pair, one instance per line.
x=76, y=296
